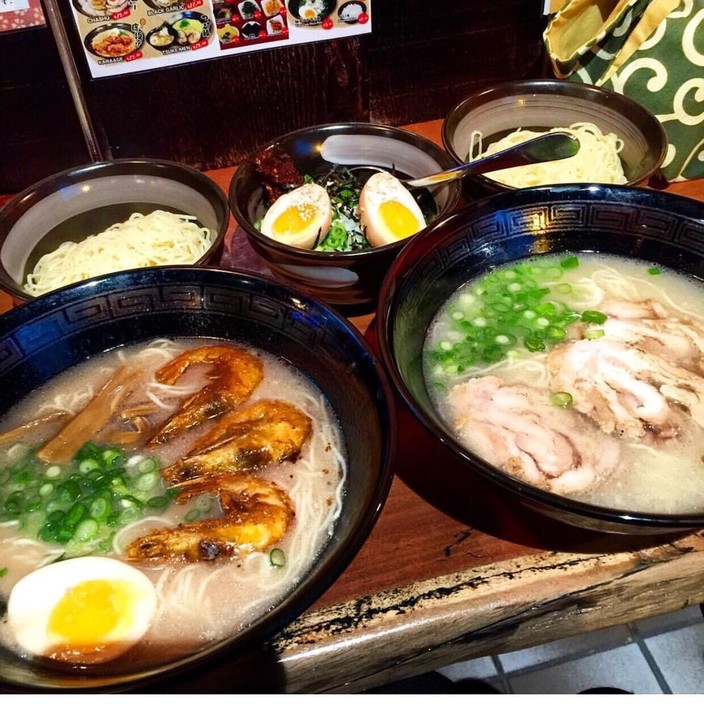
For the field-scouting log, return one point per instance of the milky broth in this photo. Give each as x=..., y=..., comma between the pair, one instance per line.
x=663, y=475
x=202, y=602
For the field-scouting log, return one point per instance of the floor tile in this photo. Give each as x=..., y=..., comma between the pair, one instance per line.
x=680, y=657
x=479, y=668
x=576, y=645
x=624, y=667
x=667, y=622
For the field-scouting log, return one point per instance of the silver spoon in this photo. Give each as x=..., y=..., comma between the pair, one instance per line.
x=547, y=147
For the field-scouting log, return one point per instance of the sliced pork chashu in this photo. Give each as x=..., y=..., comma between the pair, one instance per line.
x=516, y=428
x=625, y=389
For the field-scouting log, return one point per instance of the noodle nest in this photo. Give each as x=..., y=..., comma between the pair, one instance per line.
x=159, y=238
x=597, y=160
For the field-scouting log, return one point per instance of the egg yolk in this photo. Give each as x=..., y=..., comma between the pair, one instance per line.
x=398, y=219
x=294, y=220
x=91, y=611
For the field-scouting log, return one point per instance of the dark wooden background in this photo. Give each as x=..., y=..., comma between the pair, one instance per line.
x=421, y=58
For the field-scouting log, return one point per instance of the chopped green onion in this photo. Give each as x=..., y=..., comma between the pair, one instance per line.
x=654, y=270
x=78, y=503
x=147, y=465
x=86, y=530
x=555, y=333
x=75, y=515
x=277, y=557
x=562, y=399
x=192, y=515
x=158, y=502
x=594, y=334
x=594, y=316
x=86, y=466
x=100, y=508
x=534, y=344
x=147, y=482
x=505, y=311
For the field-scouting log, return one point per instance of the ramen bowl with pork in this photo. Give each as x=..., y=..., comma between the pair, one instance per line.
x=109, y=216
x=188, y=459
x=325, y=209
x=553, y=340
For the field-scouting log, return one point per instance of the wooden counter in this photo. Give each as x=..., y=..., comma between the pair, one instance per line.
x=450, y=572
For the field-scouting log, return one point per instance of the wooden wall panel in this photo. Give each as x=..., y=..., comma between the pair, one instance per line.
x=420, y=59
x=424, y=62
x=40, y=131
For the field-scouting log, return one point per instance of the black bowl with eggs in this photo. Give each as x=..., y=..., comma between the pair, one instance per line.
x=656, y=230
x=350, y=280
x=52, y=334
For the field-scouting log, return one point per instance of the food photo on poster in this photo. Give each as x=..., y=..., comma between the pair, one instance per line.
x=125, y=36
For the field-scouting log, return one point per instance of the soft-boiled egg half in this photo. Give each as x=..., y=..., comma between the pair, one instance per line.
x=83, y=610
x=387, y=210
x=300, y=217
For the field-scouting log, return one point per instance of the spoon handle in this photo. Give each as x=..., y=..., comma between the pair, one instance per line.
x=547, y=147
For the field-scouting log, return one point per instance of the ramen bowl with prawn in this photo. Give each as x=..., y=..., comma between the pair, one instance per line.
x=186, y=218
x=209, y=344
x=510, y=253
x=494, y=115
x=348, y=280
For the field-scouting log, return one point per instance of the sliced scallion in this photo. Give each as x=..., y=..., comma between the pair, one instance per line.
x=277, y=558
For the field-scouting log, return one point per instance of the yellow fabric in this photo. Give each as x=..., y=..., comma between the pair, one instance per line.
x=657, y=11
x=579, y=24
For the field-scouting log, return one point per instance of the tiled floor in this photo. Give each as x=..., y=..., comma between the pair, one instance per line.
x=660, y=655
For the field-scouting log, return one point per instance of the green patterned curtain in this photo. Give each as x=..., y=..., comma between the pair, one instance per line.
x=650, y=50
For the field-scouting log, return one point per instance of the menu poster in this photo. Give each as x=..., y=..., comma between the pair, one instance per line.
x=125, y=36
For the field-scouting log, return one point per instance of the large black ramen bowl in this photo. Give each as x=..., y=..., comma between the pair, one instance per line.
x=349, y=281
x=630, y=222
x=46, y=336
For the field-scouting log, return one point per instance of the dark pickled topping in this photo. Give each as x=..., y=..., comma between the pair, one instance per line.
x=278, y=172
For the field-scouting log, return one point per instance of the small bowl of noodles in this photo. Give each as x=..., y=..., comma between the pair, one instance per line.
x=105, y=217
x=621, y=142
x=189, y=457
x=551, y=339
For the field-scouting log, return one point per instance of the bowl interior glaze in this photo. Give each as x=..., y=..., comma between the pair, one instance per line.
x=656, y=227
x=54, y=332
x=546, y=103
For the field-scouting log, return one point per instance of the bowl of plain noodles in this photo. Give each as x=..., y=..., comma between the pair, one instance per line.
x=189, y=457
x=105, y=217
x=621, y=142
